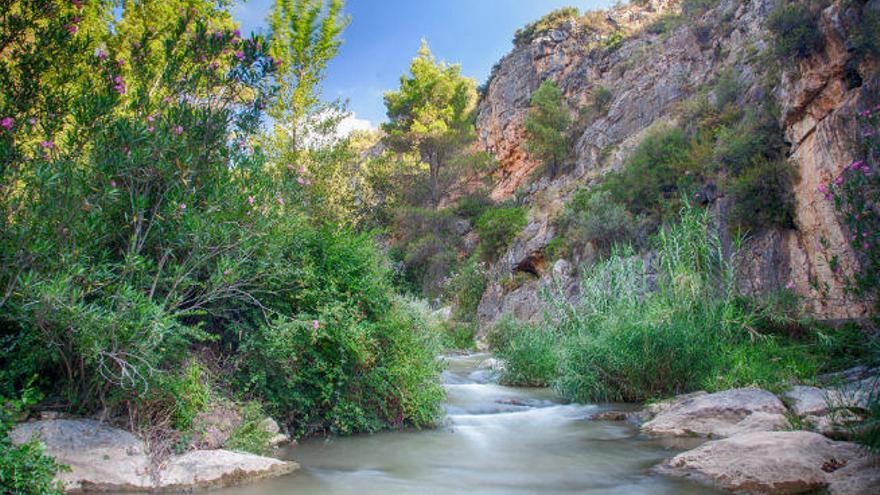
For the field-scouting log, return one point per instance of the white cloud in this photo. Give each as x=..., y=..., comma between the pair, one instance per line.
x=351, y=123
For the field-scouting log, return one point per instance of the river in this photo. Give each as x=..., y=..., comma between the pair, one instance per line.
x=496, y=440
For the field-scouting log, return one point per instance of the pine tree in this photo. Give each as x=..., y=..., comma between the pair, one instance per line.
x=546, y=127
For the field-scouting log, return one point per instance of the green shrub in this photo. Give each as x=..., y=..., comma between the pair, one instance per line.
x=602, y=97
x=529, y=352
x=497, y=227
x=250, y=435
x=648, y=182
x=24, y=469
x=613, y=41
x=550, y=21
x=727, y=89
x=337, y=371
x=763, y=195
x=465, y=289
x=191, y=395
x=427, y=246
x=795, y=30
x=866, y=31
x=595, y=217
x=458, y=335
x=472, y=205
x=693, y=8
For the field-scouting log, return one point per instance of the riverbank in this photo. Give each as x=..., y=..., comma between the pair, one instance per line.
x=500, y=439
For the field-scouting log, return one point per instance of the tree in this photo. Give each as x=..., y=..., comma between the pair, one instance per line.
x=546, y=126
x=305, y=37
x=431, y=113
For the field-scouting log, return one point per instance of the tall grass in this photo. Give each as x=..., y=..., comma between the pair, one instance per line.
x=663, y=323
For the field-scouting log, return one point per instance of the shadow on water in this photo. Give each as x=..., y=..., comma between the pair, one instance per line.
x=496, y=440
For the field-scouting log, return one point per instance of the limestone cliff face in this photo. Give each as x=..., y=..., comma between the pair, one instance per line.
x=650, y=74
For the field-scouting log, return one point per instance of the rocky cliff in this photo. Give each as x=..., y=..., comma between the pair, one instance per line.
x=649, y=73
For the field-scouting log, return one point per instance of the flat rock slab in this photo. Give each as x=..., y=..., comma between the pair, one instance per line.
x=207, y=469
x=107, y=459
x=101, y=458
x=721, y=414
x=785, y=462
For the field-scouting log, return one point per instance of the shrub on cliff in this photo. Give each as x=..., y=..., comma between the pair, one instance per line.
x=546, y=127
x=497, y=227
x=795, y=30
x=550, y=21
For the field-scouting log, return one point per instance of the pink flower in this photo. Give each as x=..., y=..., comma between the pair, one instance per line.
x=280, y=201
x=178, y=130
x=151, y=129
x=182, y=206
x=239, y=55
x=829, y=197
x=302, y=169
x=300, y=180
x=32, y=121
x=7, y=123
x=72, y=28
x=236, y=33
x=121, y=62
x=823, y=188
x=316, y=324
x=113, y=184
x=790, y=285
x=250, y=200
x=100, y=54
x=865, y=113
x=838, y=180
x=151, y=118
x=47, y=144
x=866, y=245
x=78, y=4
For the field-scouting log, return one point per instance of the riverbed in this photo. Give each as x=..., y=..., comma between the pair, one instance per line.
x=495, y=440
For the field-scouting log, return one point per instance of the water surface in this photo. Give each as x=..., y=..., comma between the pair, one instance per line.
x=496, y=440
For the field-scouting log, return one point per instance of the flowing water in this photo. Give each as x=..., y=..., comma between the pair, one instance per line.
x=496, y=440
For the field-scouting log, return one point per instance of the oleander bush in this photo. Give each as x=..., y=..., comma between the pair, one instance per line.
x=144, y=222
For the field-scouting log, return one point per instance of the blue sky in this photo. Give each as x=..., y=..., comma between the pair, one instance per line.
x=384, y=35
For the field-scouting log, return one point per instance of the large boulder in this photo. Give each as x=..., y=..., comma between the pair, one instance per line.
x=207, y=469
x=721, y=414
x=785, y=462
x=106, y=459
x=831, y=411
x=101, y=458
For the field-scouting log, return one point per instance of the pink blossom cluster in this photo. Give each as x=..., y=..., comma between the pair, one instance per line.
x=73, y=26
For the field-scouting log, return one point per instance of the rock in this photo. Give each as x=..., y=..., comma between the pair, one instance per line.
x=207, y=469
x=610, y=416
x=107, y=459
x=777, y=463
x=807, y=401
x=721, y=414
x=101, y=458
x=213, y=426
x=278, y=438
x=830, y=411
x=650, y=76
x=494, y=364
